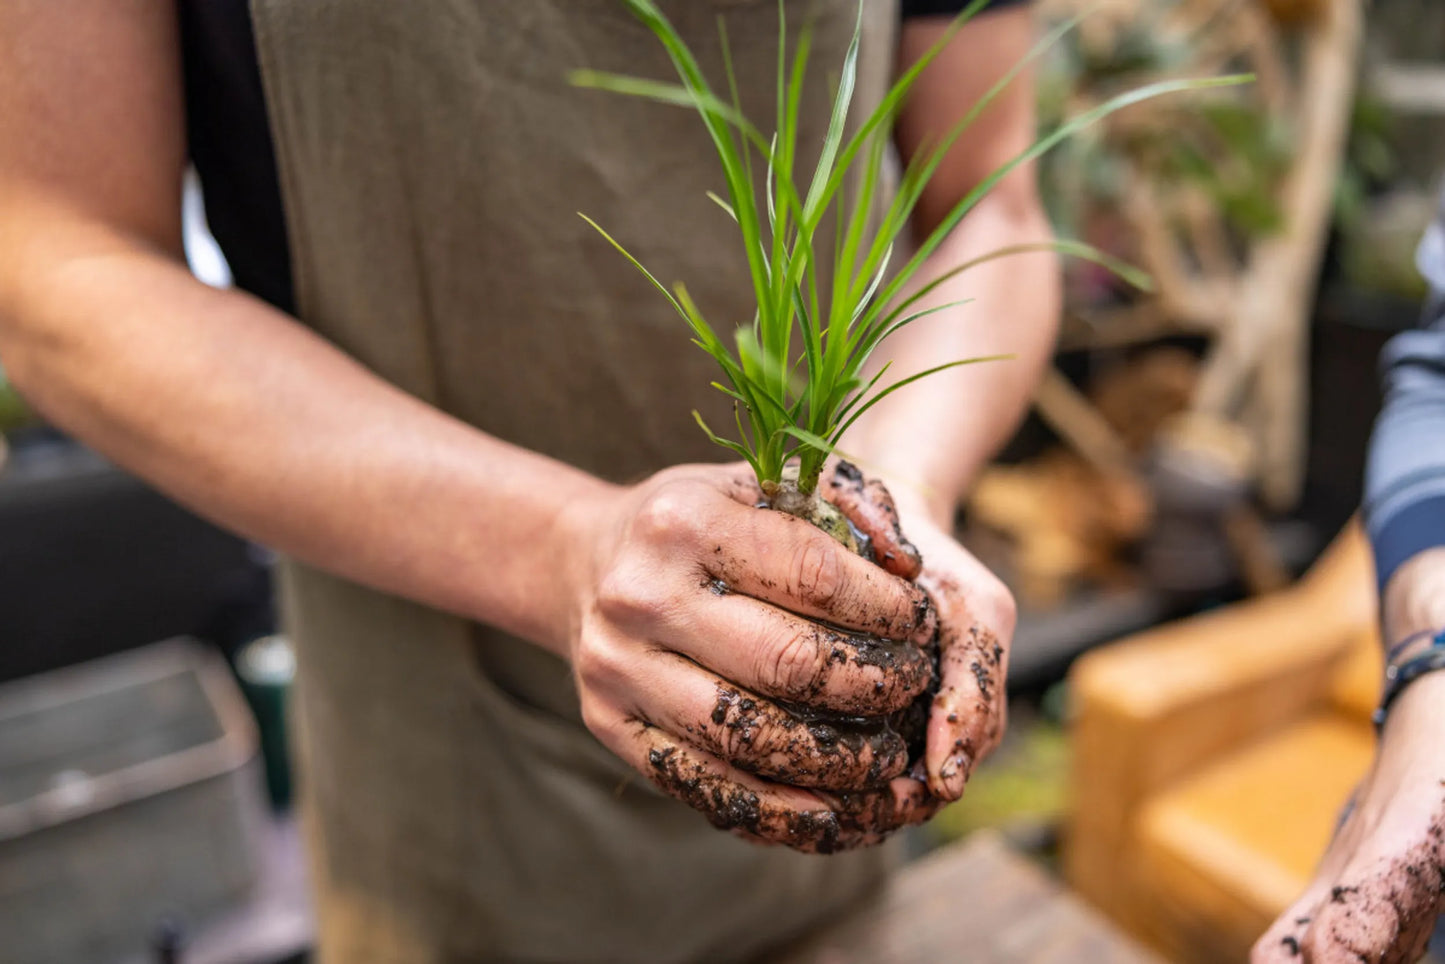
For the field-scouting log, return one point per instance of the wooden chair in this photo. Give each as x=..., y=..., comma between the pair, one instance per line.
x=1213, y=757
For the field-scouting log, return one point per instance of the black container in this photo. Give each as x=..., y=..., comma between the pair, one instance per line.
x=92, y=562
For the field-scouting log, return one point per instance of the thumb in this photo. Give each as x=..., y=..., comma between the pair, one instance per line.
x=869, y=506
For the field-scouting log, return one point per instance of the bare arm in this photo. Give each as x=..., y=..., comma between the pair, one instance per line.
x=1381, y=885
x=936, y=434
x=225, y=403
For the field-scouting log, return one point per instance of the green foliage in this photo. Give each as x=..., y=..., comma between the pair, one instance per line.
x=1370, y=161
x=1246, y=188
x=1233, y=150
x=796, y=372
x=13, y=412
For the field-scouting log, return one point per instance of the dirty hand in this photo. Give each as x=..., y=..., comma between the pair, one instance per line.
x=1381, y=886
x=976, y=615
x=695, y=619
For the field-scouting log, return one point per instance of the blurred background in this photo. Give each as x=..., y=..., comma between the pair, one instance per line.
x=1196, y=630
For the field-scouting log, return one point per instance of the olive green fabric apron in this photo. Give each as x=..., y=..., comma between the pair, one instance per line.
x=432, y=160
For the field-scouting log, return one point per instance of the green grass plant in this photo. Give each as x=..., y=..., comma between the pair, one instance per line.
x=797, y=370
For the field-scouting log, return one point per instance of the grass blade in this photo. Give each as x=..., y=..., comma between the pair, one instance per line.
x=636, y=264
x=848, y=423
x=1042, y=146
x=722, y=203
x=726, y=443
x=841, y=100
x=675, y=95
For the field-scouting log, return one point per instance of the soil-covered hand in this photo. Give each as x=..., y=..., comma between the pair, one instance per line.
x=976, y=615
x=1381, y=886
x=700, y=618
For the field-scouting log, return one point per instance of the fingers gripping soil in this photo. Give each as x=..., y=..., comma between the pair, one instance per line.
x=721, y=647
x=783, y=656
x=869, y=506
x=756, y=735
x=700, y=706
x=731, y=800
x=760, y=647
x=969, y=709
x=975, y=617
x=785, y=561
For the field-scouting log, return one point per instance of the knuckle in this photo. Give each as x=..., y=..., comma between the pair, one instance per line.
x=733, y=724
x=817, y=577
x=600, y=667
x=793, y=666
x=600, y=719
x=594, y=717
x=669, y=513
x=744, y=744
x=997, y=607
x=623, y=599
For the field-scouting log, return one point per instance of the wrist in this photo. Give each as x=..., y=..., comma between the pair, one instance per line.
x=1414, y=598
x=534, y=587
x=1425, y=702
x=1416, y=724
x=573, y=550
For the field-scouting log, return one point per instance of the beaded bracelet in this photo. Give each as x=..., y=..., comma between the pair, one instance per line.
x=1400, y=675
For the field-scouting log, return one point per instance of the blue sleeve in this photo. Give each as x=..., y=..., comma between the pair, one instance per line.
x=1405, y=478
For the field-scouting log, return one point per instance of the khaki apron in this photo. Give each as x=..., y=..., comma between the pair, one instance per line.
x=432, y=161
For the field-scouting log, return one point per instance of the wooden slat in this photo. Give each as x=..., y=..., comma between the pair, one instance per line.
x=976, y=901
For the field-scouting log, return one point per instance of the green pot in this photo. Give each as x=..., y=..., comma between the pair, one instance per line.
x=266, y=668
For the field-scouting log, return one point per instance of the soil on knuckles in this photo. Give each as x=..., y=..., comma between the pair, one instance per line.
x=871, y=521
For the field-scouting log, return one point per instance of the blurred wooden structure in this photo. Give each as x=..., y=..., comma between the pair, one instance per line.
x=1251, y=297
x=1069, y=514
x=1213, y=757
x=975, y=901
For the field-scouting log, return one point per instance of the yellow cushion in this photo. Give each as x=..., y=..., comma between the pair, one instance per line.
x=1227, y=849
x=1355, y=688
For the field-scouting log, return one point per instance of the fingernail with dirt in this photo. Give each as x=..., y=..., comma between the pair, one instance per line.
x=953, y=775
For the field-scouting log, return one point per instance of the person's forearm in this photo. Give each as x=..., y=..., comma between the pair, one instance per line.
x=935, y=435
x=251, y=420
x=1405, y=475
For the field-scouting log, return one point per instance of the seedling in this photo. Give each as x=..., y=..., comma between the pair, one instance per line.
x=797, y=371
